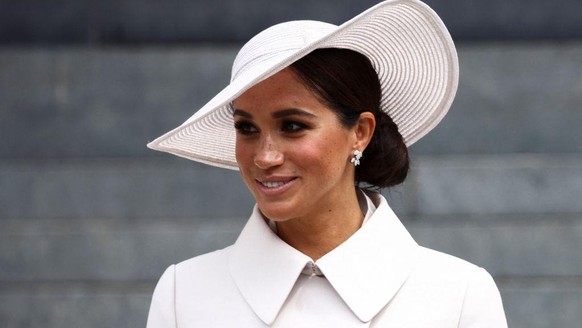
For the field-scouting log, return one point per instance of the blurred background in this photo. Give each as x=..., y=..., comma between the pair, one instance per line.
x=90, y=218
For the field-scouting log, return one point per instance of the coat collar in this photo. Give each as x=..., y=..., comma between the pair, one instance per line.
x=366, y=270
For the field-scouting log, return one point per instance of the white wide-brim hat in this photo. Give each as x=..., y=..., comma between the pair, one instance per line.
x=406, y=41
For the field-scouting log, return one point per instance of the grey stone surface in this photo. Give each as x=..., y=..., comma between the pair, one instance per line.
x=541, y=305
x=526, y=184
x=513, y=98
x=79, y=102
x=116, y=250
x=138, y=189
x=105, y=250
x=509, y=245
x=74, y=307
x=72, y=102
x=131, y=21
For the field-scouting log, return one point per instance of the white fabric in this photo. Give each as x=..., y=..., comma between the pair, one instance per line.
x=379, y=277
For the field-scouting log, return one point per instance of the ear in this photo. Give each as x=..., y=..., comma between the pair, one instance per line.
x=364, y=130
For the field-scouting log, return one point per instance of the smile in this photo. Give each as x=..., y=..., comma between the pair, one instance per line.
x=272, y=184
x=275, y=186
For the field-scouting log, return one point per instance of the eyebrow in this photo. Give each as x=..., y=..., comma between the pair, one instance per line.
x=276, y=115
x=291, y=112
x=240, y=112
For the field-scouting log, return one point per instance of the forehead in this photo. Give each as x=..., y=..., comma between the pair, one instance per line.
x=283, y=87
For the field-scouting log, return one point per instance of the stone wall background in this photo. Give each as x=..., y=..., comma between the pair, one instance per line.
x=90, y=218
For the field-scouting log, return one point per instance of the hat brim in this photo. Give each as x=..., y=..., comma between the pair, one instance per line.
x=409, y=47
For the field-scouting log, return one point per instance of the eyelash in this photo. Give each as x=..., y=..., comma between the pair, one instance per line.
x=244, y=127
x=298, y=126
x=290, y=127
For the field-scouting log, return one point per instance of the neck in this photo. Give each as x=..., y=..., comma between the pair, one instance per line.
x=323, y=231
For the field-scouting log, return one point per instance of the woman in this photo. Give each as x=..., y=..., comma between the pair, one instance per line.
x=314, y=115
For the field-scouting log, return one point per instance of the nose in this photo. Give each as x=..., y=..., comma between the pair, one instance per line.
x=268, y=155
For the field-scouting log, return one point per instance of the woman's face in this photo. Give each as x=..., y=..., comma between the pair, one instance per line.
x=292, y=151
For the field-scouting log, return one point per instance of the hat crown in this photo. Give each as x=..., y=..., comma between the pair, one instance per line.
x=276, y=43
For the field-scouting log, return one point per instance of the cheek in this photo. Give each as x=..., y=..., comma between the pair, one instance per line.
x=242, y=151
x=324, y=155
x=244, y=161
x=243, y=155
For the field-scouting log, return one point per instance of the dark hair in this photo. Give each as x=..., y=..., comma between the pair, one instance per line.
x=346, y=81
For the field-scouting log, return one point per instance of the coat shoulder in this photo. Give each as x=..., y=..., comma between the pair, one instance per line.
x=446, y=291
x=209, y=262
x=446, y=264
x=205, y=275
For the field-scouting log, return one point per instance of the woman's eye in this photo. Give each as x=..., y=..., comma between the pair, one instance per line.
x=245, y=128
x=293, y=126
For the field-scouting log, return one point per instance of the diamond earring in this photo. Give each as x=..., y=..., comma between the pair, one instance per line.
x=356, y=159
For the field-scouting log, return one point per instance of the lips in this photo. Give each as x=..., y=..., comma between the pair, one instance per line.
x=272, y=184
x=275, y=185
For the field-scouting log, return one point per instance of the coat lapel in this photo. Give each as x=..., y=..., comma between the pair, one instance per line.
x=264, y=267
x=369, y=268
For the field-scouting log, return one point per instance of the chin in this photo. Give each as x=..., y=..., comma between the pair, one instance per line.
x=277, y=213
x=278, y=209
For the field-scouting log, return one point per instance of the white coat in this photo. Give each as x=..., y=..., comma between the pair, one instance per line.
x=379, y=277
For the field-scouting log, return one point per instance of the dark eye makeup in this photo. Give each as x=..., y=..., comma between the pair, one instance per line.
x=292, y=126
x=245, y=127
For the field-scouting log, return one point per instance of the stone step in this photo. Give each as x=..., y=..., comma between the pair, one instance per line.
x=178, y=21
x=513, y=98
x=497, y=184
x=176, y=188
x=135, y=188
x=109, y=102
x=140, y=250
x=75, y=305
x=528, y=304
x=83, y=102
